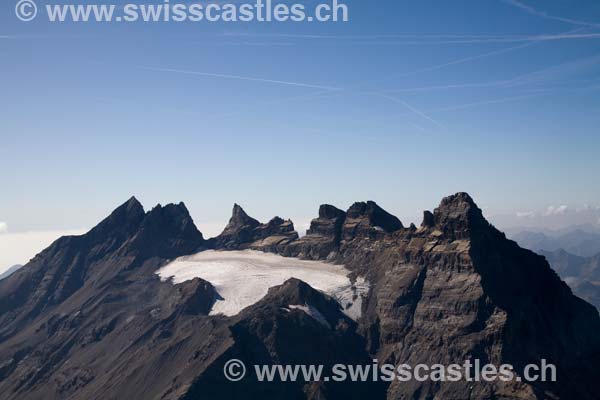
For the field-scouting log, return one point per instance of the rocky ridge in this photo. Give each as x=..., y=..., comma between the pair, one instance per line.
x=88, y=318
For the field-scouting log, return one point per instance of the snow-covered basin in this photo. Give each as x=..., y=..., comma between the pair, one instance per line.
x=243, y=277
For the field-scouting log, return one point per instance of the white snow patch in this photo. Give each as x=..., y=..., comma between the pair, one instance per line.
x=242, y=278
x=312, y=312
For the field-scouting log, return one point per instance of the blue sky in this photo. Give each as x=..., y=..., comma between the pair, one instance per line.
x=406, y=103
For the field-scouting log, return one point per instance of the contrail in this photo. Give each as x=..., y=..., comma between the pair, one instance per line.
x=467, y=59
x=411, y=108
x=427, y=39
x=464, y=60
x=242, y=78
x=368, y=36
x=481, y=103
x=542, y=14
x=522, y=39
x=519, y=80
x=452, y=86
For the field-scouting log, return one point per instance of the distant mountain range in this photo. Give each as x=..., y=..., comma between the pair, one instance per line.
x=581, y=273
x=577, y=240
x=9, y=271
x=93, y=317
x=573, y=252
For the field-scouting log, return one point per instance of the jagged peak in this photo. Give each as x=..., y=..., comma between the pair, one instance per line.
x=457, y=214
x=170, y=223
x=457, y=199
x=178, y=211
x=125, y=217
x=239, y=219
x=133, y=204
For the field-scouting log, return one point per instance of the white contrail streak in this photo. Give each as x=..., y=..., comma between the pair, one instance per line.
x=241, y=78
x=411, y=108
x=542, y=14
x=481, y=103
x=427, y=39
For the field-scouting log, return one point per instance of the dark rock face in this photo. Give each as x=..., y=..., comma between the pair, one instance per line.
x=89, y=319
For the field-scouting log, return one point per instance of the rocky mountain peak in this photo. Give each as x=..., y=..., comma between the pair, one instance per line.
x=458, y=215
x=240, y=219
x=123, y=220
x=133, y=204
x=167, y=231
x=173, y=218
x=243, y=230
x=132, y=209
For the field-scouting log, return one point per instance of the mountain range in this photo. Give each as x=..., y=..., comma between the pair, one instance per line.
x=582, y=274
x=580, y=241
x=9, y=271
x=90, y=317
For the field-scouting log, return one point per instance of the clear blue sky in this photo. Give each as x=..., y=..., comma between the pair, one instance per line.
x=433, y=97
